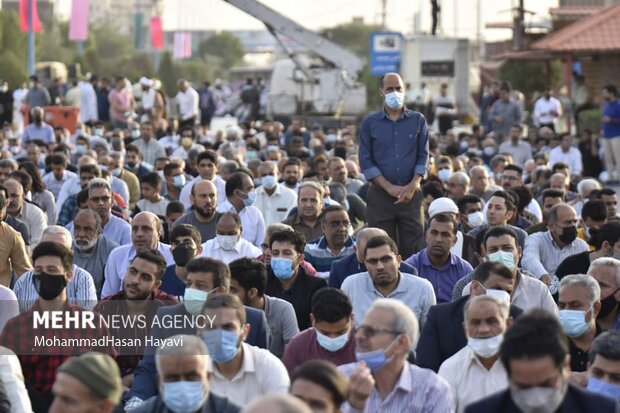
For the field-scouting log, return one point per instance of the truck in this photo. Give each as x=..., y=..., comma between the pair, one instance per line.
x=323, y=84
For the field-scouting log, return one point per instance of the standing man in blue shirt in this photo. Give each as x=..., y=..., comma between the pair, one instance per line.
x=393, y=153
x=611, y=132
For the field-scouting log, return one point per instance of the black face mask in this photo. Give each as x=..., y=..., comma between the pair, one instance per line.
x=48, y=286
x=608, y=305
x=182, y=254
x=131, y=165
x=568, y=234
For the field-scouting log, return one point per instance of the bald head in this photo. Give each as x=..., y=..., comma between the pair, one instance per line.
x=145, y=231
x=15, y=191
x=362, y=238
x=86, y=160
x=277, y=404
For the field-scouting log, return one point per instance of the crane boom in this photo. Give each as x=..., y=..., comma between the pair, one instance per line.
x=329, y=51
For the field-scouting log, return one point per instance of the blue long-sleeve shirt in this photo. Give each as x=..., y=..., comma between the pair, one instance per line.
x=611, y=129
x=396, y=150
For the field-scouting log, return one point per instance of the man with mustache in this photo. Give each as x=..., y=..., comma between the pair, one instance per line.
x=90, y=247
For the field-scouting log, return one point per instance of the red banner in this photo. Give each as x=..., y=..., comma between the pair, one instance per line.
x=24, y=5
x=157, y=33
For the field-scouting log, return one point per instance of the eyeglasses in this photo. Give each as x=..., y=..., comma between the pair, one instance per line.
x=338, y=224
x=386, y=259
x=370, y=331
x=98, y=199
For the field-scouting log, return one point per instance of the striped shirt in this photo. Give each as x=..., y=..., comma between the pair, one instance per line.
x=321, y=257
x=417, y=390
x=80, y=290
x=543, y=256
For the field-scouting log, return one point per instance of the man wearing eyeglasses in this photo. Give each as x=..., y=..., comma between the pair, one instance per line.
x=335, y=244
x=383, y=280
x=384, y=341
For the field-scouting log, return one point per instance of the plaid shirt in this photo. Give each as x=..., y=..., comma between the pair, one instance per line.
x=39, y=364
x=67, y=210
x=116, y=304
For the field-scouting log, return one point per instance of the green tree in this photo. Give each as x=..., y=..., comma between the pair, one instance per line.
x=530, y=77
x=168, y=74
x=224, y=46
x=14, y=46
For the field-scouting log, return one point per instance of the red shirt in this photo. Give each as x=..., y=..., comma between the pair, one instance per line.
x=39, y=359
x=116, y=305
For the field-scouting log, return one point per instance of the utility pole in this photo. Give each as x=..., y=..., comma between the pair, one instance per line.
x=518, y=31
x=383, y=14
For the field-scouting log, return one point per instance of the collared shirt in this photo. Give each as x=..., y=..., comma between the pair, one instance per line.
x=396, y=150
x=43, y=133
x=578, y=357
x=305, y=347
x=310, y=233
x=299, y=294
x=509, y=112
x=415, y=292
x=117, y=265
x=13, y=254
x=242, y=249
x=572, y=158
x=188, y=103
x=220, y=185
x=417, y=390
x=70, y=187
x=150, y=150
x=117, y=230
x=40, y=372
x=95, y=262
x=261, y=373
x=543, y=108
x=121, y=98
x=53, y=185
x=469, y=380
x=521, y=152
x=281, y=322
x=251, y=220
x=80, y=290
x=274, y=207
x=45, y=200
x=321, y=257
x=543, y=256
x=611, y=129
x=444, y=278
x=12, y=379
x=35, y=220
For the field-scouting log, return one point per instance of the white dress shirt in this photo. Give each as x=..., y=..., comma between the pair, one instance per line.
x=242, y=249
x=572, y=158
x=147, y=100
x=469, y=380
x=35, y=220
x=261, y=373
x=88, y=102
x=188, y=103
x=220, y=185
x=117, y=265
x=12, y=378
x=53, y=185
x=543, y=109
x=251, y=220
x=9, y=307
x=543, y=256
x=274, y=207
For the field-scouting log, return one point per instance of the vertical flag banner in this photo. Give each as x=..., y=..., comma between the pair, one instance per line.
x=24, y=5
x=157, y=33
x=182, y=45
x=78, y=25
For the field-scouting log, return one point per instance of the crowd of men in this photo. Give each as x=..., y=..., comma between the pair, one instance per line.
x=375, y=267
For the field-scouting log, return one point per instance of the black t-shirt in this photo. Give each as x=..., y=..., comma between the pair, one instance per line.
x=575, y=264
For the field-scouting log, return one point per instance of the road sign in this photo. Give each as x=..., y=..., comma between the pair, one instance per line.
x=385, y=52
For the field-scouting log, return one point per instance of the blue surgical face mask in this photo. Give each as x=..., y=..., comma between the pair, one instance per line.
x=489, y=151
x=574, y=322
x=116, y=171
x=375, y=360
x=602, y=387
x=332, y=344
x=394, y=100
x=80, y=149
x=282, y=268
x=223, y=345
x=444, y=174
x=135, y=133
x=178, y=181
x=184, y=396
x=269, y=181
x=194, y=299
x=250, y=199
x=504, y=257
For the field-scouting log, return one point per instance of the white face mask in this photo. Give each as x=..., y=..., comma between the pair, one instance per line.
x=485, y=347
x=538, y=399
x=227, y=242
x=475, y=219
